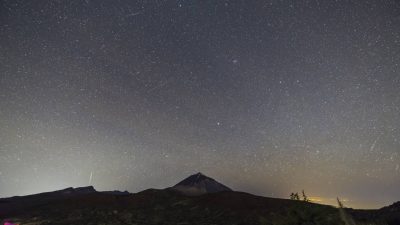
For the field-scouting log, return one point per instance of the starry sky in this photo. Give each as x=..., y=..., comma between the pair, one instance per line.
x=266, y=96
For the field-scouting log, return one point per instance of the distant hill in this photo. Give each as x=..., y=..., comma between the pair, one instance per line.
x=387, y=215
x=395, y=207
x=217, y=205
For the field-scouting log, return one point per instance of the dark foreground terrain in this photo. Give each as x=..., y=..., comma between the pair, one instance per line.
x=86, y=206
x=198, y=199
x=163, y=207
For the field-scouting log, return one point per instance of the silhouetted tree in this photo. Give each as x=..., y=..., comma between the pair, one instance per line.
x=340, y=203
x=297, y=196
x=346, y=218
x=294, y=196
x=305, y=198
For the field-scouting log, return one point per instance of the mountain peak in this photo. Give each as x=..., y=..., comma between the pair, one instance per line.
x=198, y=184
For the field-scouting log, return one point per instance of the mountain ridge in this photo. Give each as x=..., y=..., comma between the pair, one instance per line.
x=85, y=205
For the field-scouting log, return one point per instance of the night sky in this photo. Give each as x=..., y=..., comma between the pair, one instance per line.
x=266, y=96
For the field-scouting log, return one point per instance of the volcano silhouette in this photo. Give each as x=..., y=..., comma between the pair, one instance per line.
x=199, y=184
